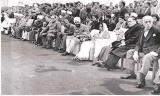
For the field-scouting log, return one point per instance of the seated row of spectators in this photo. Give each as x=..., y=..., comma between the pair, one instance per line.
x=99, y=33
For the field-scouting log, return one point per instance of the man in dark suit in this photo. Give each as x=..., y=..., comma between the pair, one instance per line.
x=131, y=38
x=148, y=42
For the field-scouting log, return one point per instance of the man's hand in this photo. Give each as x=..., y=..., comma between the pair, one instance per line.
x=135, y=56
x=122, y=43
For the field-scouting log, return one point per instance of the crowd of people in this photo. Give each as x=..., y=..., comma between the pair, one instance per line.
x=96, y=32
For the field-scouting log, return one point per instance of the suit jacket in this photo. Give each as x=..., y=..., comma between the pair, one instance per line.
x=149, y=43
x=131, y=38
x=132, y=34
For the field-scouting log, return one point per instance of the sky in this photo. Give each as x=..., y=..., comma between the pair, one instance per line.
x=15, y=2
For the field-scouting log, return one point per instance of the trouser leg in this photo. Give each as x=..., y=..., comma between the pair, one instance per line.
x=63, y=45
x=72, y=44
x=57, y=41
x=44, y=41
x=111, y=61
x=146, y=63
x=49, y=41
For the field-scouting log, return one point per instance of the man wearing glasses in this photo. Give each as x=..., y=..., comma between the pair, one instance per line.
x=146, y=47
x=131, y=38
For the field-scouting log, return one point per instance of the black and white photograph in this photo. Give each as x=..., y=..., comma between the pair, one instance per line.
x=80, y=47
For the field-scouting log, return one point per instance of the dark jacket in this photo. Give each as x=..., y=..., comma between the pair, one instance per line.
x=132, y=34
x=149, y=43
x=131, y=38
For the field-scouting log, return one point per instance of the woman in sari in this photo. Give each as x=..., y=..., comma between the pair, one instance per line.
x=92, y=48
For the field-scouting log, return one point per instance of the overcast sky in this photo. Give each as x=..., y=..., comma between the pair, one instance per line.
x=15, y=2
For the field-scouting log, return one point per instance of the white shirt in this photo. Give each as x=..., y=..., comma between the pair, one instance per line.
x=146, y=33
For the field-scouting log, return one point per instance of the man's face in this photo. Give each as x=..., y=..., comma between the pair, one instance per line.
x=126, y=16
x=120, y=20
x=131, y=22
x=44, y=24
x=120, y=5
x=155, y=3
x=148, y=24
x=94, y=18
x=140, y=21
x=154, y=19
x=77, y=24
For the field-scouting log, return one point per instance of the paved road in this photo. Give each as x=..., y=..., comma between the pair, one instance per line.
x=31, y=70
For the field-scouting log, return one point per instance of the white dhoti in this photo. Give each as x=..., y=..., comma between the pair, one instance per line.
x=25, y=35
x=84, y=52
x=72, y=44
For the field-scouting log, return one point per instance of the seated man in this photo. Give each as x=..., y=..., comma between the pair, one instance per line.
x=148, y=59
x=149, y=41
x=121, y=48
x=43, y=35
x=52, y=29
x=68, y=32
x=81, y=31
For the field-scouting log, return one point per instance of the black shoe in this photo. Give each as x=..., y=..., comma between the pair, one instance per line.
x=156, y=91
x=141, y=85
x=61, y=51
x=55, y=49
x=131, y=76
x=43, y=47
x=107, y=67
x=47, y=47
x=65, y=54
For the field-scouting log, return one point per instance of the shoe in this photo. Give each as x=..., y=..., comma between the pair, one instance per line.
x=140, y=85
x=65, y=54
x=102, y=65
x=131, y=76
x=156, y=91
x=47, y=47
x=43, y=46
x=141, y=80
x=55, y=49
x=108, y=67
x=61, y=51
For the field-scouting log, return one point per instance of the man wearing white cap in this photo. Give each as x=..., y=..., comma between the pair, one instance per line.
x=81, y=31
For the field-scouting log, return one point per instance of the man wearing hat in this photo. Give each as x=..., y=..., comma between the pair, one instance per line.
x=81, y=31
x=67, y=34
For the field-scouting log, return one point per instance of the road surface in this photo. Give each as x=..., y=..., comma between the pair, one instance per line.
x=31, y=70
